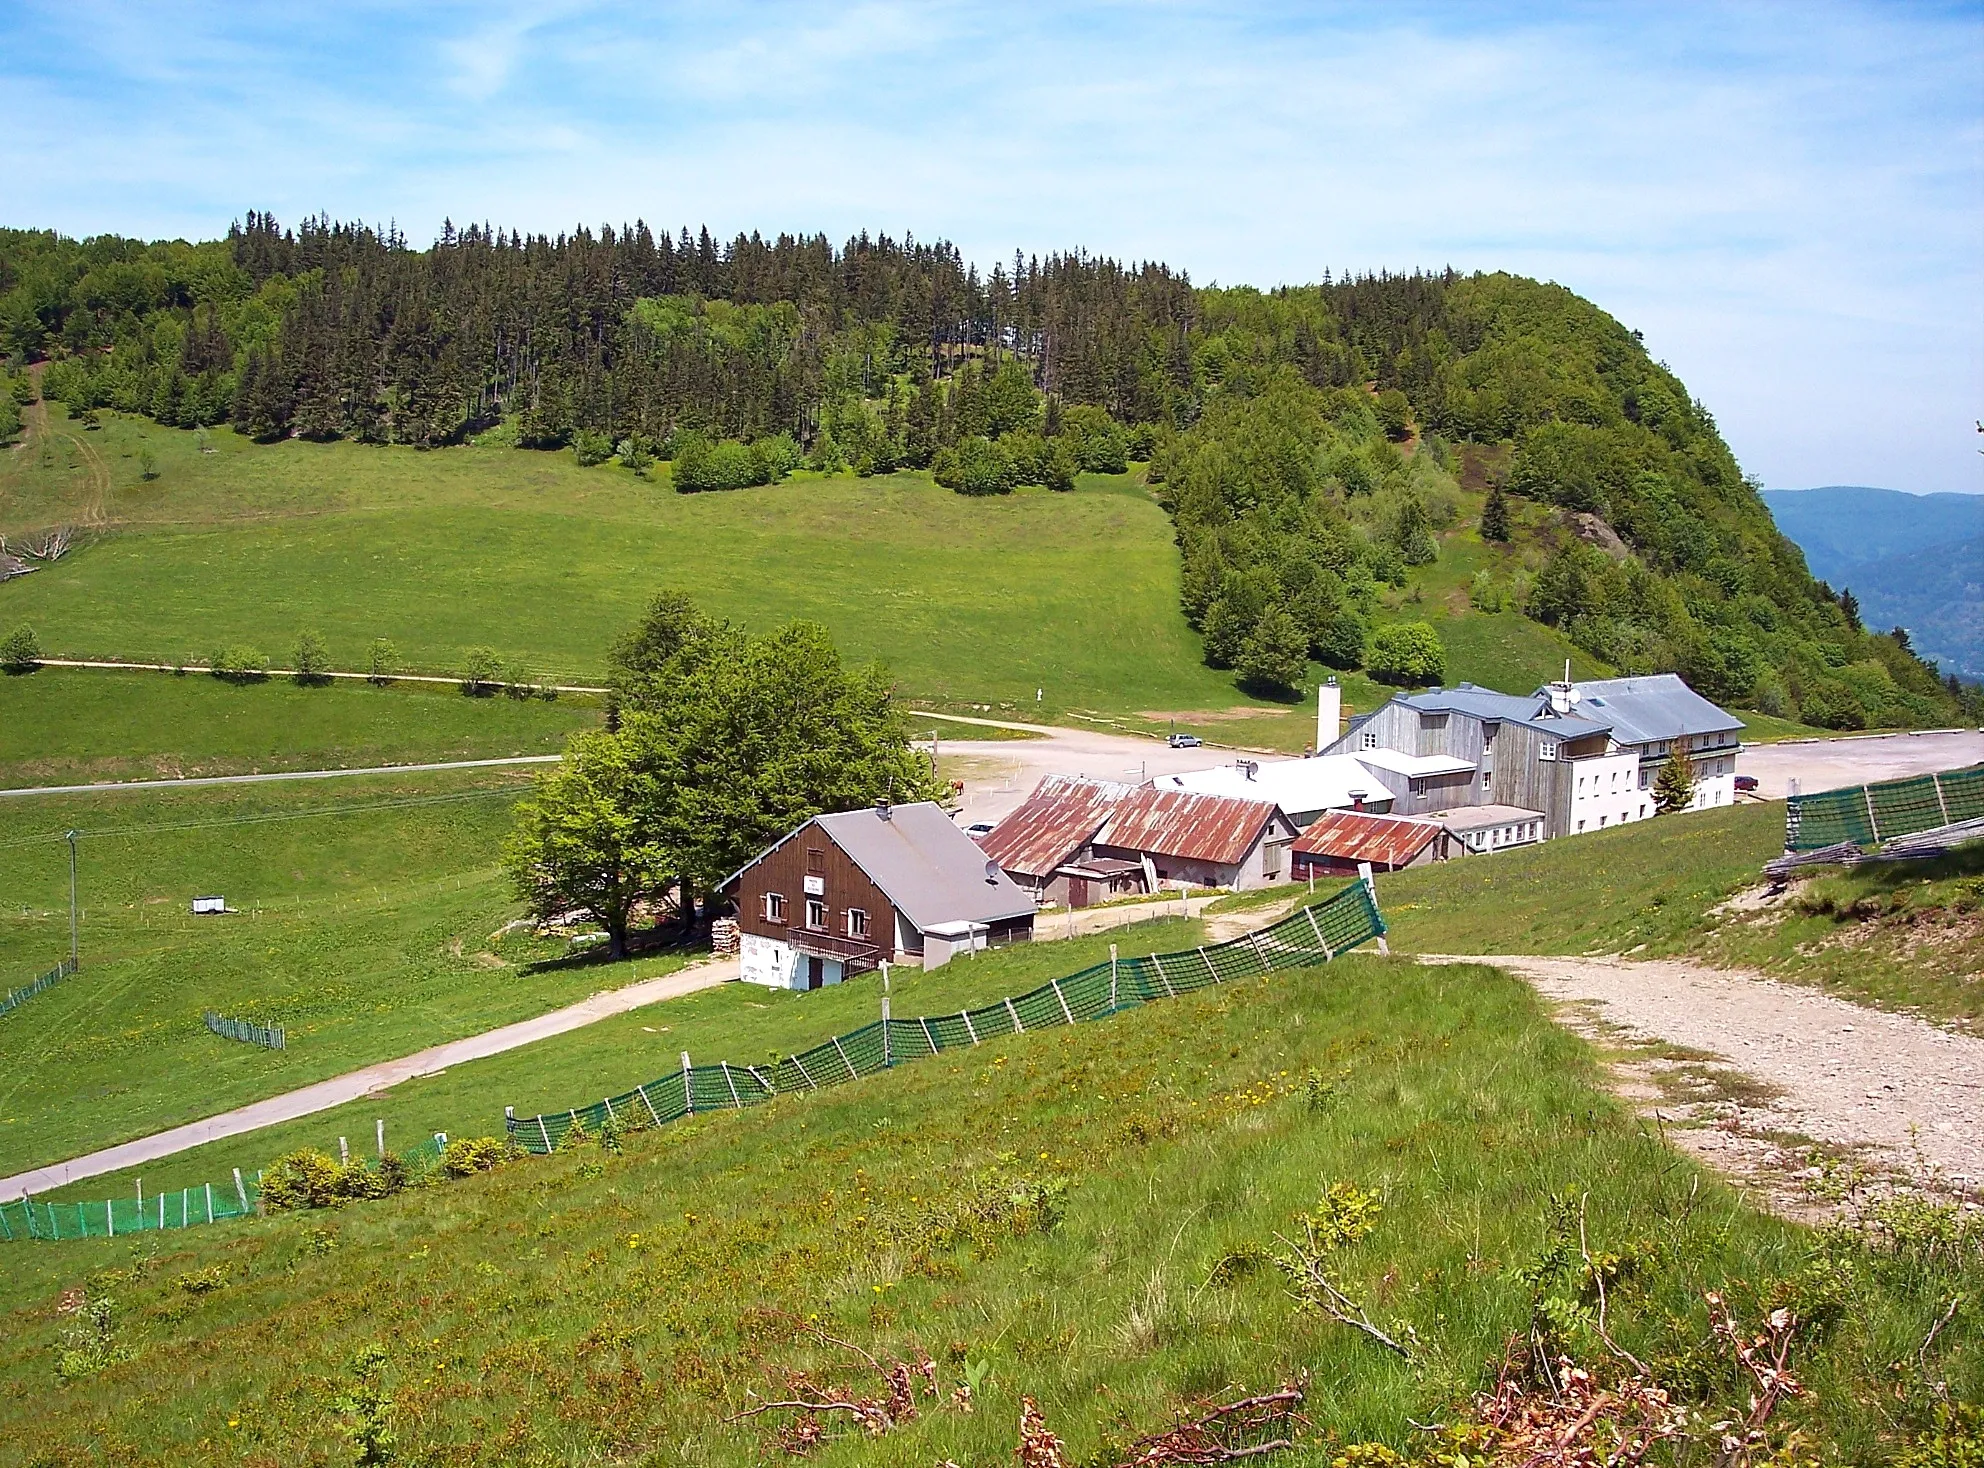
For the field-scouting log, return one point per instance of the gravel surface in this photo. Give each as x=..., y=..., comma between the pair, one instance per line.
x=1829, y=764
x=1857, y=1078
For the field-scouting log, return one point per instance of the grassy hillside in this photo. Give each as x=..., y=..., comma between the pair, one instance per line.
x=744, y=1024
x=367, y=926
x=1082, y=1216
x=970, y=601
x=1903, y=936
x=72, y=725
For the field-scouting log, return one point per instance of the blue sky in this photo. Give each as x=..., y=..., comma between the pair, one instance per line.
x=1787, y=200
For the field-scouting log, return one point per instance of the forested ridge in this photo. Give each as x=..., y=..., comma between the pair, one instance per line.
x=1306, y=440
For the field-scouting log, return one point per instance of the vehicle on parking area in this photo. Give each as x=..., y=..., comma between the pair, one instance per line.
x=1184, y=741
x=1746, y=784
x=978, y=830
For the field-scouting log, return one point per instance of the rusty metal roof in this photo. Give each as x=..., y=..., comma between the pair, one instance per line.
x=1189, y=826
x=1348, y=835
x=1052, y=824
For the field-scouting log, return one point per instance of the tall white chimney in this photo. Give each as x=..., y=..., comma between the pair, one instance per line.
x=1329, y=714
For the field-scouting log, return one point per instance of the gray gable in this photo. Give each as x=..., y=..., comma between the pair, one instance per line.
x=1507, y=708
x=928, y=868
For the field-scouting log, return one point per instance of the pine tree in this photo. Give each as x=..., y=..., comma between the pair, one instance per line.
x=1674, y=786
x=1850, y=604
x=1495, y=515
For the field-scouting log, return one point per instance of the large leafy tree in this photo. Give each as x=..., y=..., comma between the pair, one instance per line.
x=585, y=840
x=723, y=742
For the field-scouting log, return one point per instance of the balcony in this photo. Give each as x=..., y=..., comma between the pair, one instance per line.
x=855, y=955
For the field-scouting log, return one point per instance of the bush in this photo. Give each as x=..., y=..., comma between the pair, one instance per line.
x=466, y=1155
x=591, y=447
x=238, y=665
x=10, y=420
x=977, y=466
x=385, y=662
x=1341, y=644
x=1831, y=705
x=479, y=671
x=1275, y=655
x=302, y=1179
x=312, y=661
x=20, y=652
x=1408, y=654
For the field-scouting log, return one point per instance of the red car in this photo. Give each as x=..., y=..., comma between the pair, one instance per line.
x=1746, y=784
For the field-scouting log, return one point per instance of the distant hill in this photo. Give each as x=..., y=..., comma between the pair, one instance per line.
x=1913, y=560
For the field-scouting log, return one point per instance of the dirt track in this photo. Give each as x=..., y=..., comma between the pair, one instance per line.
x=1861, y=1079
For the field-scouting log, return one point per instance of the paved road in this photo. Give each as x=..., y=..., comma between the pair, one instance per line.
x=1828, y=764
x=355, y=1084
x=183, y=784
x=999, y=773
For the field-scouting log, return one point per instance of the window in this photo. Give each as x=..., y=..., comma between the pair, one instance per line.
x=816, y=859
x=1547, y=750
x=1601, y=823
x=857, y=923
x=1368, y=739
x=774, y=907
x=816, y=912
x=1580, y=825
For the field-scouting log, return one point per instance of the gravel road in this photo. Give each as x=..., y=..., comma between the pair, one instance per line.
x=1858, y=1078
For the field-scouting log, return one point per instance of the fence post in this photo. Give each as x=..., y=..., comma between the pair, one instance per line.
x=688, y=1088
x=509, y=1112
x=1112, y=978
x=241, y=1189
x=888, y=1056
x=1371, y=891
x=344, y=1153
x=210, y=1202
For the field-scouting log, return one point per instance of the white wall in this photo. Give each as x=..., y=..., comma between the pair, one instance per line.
x=1605, y=792
x=762, y=960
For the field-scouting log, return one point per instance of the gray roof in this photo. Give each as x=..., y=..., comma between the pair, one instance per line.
x=1658, y=706
x=1485, y=703
x=925, y=865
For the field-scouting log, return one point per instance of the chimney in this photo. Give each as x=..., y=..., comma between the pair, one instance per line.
x=1357, y=799
x=882, y=808
x=1329, y=714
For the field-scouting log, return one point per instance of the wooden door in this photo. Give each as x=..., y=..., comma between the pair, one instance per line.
x=816, y=970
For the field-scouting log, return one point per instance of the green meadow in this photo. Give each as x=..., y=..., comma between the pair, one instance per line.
x=65, y=726
x=971, y=602
x=367, y=922
x=1087, y=1216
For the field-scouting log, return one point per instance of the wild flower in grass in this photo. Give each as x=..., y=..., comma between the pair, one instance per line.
x=91, y=1343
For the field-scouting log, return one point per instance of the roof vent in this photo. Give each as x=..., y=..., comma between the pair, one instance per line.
x=882, y=809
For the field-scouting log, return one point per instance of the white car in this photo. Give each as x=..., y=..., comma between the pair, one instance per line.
x=979, y=830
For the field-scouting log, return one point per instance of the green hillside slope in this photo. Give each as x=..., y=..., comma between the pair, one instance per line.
x=1085, y=1216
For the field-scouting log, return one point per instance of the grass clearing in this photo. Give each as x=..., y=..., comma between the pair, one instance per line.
x=65, y=726
x=598, y=1306
x=367, y=926
x=742, y=1023
x=972, y=602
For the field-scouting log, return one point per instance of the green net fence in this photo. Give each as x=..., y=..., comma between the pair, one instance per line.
x=1867, y=815
x=1307, y=936
x=247, y=1031
x=17, y=997
x=238, y=1197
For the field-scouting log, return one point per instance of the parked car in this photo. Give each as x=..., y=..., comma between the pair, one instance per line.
x=1746, y=784
x=978, y=830
x=1184, y=741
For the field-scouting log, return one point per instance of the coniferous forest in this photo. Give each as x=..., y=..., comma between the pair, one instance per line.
x=1306, y=440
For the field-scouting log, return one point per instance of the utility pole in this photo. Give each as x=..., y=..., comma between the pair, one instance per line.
x=70, y=837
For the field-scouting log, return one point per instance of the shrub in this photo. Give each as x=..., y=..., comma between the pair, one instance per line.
x=385, y=662
x=1831, y=705
x=312, y=661
x=591, y=447
x=976, y=466
x=1408, y=654
x=10, y=420
x=466, y=1155
x=479, y=670
x=305, y=1178
x=637, y=454
x=20, y=652
x=238, y=665
x=1342, y=642
x=1276, y=653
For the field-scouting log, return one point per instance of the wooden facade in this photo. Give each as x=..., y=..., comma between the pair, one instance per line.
x=831, y=911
